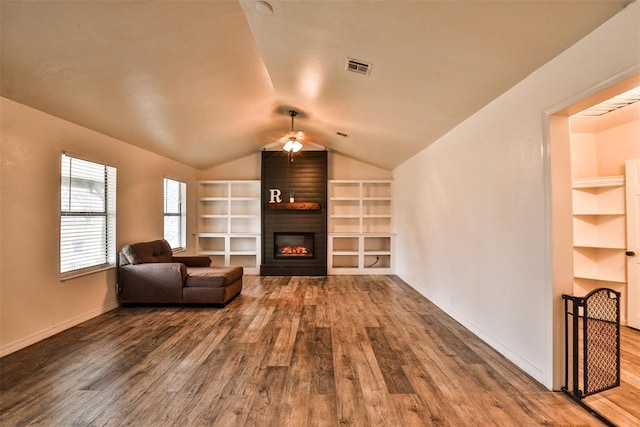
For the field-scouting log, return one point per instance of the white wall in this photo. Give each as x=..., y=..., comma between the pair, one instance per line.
x=245, y=168
x=471, y=208
x=34, y=303
x=601, y=145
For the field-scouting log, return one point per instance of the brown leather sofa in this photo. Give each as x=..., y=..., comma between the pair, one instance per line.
x=149, y=273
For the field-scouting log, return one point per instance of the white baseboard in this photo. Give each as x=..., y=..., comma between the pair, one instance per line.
x=46, y=333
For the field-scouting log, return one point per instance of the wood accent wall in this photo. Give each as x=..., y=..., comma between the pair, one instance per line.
x=306, y=175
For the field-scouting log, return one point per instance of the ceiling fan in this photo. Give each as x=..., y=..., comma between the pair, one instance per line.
x=292, y=140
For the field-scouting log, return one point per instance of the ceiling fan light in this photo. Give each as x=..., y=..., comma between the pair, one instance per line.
x=288, y=146
x=293, y=144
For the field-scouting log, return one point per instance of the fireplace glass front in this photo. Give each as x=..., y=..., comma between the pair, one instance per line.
x=293, y=245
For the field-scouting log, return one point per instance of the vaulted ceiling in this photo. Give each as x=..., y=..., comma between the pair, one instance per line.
x=207, y=82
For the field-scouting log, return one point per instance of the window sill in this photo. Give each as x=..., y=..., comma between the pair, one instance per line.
x=71, y=275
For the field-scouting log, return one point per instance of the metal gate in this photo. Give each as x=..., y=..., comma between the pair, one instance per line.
x=592, y=344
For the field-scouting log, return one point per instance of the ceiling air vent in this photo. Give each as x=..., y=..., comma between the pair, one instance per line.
x=358, y=67
x=627, y=98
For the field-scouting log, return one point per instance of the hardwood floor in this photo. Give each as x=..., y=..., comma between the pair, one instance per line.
x=345, y=350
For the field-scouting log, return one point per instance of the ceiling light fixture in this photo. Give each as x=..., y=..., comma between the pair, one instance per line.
x=293, y=144
x=264, y=8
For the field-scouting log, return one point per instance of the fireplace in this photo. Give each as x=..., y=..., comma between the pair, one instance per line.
x=294, y=234
x=293, y=245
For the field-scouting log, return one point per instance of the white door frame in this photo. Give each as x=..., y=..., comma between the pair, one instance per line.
x=557, y=199
x=632, y=174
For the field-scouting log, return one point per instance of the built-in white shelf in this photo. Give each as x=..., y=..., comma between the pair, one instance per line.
x=599, y=234
x=361, y=232
x=229, y=223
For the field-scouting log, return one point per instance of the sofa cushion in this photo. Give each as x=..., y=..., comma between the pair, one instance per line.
x=130, y=254
x=147, y=252
x=212, y=277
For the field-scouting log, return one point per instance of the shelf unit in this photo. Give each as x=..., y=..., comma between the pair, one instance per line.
x=229, y=223
x=599, y=235
x=361, y=232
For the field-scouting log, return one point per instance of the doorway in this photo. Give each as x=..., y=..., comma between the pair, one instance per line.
x=603, y=139
x=588, y=151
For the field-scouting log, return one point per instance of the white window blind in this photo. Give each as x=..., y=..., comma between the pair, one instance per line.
x=87, y=216
x=175, y=213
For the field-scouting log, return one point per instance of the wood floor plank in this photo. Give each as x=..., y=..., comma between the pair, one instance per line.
x=389, y=362
x=321, y=411
x=266, y=408
x=191, y=364
x=351, y=405
x=252, y=335
x=283, y=346
x=434, y=402
x=410, y=411
x=322, y=372
x=289, y=351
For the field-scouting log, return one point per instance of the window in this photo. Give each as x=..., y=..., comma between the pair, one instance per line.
x=87, y=216
x=175, y=213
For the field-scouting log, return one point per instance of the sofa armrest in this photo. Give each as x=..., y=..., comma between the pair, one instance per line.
x=193, y=261
x=152, y=282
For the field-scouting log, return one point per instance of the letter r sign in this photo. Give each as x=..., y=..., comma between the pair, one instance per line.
x=274, y=195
